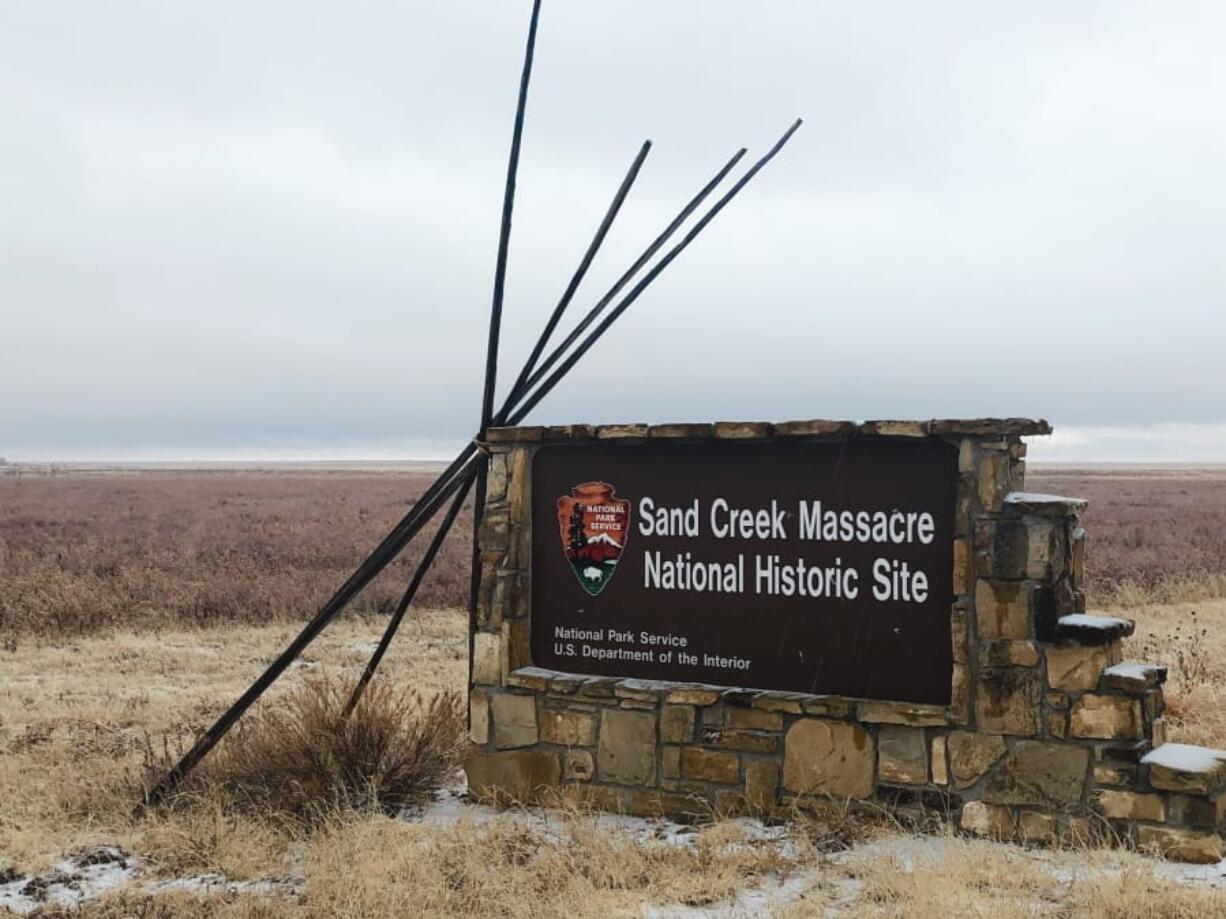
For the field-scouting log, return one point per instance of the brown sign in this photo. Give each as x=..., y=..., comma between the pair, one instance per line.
x=822, y=568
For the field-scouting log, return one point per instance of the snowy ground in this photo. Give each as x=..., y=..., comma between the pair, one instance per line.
x=90, y=873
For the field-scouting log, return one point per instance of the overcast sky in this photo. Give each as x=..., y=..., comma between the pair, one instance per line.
x=268, y=229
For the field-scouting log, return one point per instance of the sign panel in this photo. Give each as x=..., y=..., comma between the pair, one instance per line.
x=821, y=568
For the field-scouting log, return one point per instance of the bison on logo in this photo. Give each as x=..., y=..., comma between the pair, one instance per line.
x=594, y=526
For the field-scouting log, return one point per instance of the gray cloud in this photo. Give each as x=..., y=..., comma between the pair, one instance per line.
x=254, y=227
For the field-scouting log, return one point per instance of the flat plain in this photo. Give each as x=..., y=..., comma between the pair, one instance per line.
x=137, y=604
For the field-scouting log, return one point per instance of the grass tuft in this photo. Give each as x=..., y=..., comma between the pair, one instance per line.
x=298, y=756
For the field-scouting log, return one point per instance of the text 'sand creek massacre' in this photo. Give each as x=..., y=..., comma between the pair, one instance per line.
x=823, y=568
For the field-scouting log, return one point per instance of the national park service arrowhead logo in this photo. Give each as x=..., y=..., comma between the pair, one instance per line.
x=594, y=527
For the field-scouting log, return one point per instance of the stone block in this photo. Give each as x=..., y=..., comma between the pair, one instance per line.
x=988, y=820
x=569, y=729
x=626, y=754
x=698, y=764
x=741, y=430
x=960, y=632
x=912, y=713
x=1006, y=653
x=692, y=695
x=1196, y=811
x=829, y=706
x=646, y=802
x=755, y=719
x=676, y=723
x=1130, y=805
x=1186, y=768
x=832, y=758
x=761, y=785
x=1044, y=549
x=1010, y=545
x=1002, y=609
x=1112, y=773
x=516, y=649
x=1008, y=701
x=578, y=765
x=1133, y=678
x=479, y=718
x=1106, y=718
x=679, y=431
x=962, y=566
x=1035, y=827
x=814, y=428
x=737, y=739
x=621, y=432
x=940, y=762
x=971, y=755
x=1038, y=774
x=1181, y=845
x=496, y=478
x=487, y=658
x=966, y=455
x=1057, y=724
x=1075, y=668
x=670, y=763
x=902, y=755
x=520, y=775
x=993, y=479
x=514, y=721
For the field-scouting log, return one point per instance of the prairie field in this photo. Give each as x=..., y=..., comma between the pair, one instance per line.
x=136, y=605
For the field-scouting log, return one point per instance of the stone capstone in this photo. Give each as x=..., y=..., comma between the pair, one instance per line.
x=626, y=753
x=831, y=758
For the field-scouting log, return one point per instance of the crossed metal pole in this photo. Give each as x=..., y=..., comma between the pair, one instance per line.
x=535, y=381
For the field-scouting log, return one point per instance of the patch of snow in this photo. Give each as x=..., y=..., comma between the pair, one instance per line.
x=1131, y=670
x=1034, y=497
x=73, y=880
x=1088, y=621
x=1182, y=757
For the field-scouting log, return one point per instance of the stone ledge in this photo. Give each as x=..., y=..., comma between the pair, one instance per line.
x=1029, y=502
x=756, y=430
x=1092, y=631
x=1132, y=677
x=538, y=679
x=1186, y=768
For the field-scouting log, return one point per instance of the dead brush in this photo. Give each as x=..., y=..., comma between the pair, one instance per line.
x=300, y=757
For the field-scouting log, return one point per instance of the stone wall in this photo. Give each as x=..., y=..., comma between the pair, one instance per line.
x=1050, y=734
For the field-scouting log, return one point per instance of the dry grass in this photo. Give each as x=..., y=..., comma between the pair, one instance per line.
x=305, y=759
x=1155, y=535
x=80, y=552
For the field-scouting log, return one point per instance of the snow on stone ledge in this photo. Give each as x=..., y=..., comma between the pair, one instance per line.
x=1087, y=629
x=1037, y=503
x=1182, y=757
